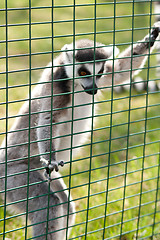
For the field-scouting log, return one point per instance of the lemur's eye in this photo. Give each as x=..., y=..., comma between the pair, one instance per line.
x=83, y=73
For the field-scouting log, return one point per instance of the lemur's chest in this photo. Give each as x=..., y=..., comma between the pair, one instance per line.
x=77, y=123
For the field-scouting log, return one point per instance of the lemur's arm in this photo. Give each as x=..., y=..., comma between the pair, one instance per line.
x=46, y=132
x=130, y=60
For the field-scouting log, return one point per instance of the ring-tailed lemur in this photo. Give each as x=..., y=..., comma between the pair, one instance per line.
x=61, y=106
x=138, y=83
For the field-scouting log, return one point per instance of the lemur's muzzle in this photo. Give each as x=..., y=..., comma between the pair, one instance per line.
x=91, y=90
x=89, y=86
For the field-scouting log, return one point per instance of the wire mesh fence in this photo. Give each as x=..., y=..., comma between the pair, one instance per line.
x=113, y=176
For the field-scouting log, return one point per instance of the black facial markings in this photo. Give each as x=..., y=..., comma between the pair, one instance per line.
x=63, y=84
x=89, y=51
x=83, y=69
x=135, y=53
x=85, y=55
x=101, y=71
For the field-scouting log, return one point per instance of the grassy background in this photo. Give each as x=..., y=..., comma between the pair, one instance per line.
x=131, y=184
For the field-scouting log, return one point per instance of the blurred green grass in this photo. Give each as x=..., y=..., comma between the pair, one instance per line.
x=110, y=170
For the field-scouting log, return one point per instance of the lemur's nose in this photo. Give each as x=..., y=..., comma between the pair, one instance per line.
x=91, y=89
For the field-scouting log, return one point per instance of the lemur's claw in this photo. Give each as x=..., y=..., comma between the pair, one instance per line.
x=49, y=167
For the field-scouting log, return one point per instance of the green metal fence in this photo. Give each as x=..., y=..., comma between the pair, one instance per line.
x=114, y=180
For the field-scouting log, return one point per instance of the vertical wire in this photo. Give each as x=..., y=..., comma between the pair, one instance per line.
x=157, y=190
x=111, y=121
x=145, y=128
x=129, y=119
x=29, y=119
x=51, y=127
x=92, y=119
x=5, y=196
x=156, y=197
x=72, y=117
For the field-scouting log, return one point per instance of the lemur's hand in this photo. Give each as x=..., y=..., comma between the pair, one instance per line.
x=49, y=167
x=150, y=39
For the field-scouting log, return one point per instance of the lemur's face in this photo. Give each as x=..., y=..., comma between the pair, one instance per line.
x=88, y=75
x=86, y=63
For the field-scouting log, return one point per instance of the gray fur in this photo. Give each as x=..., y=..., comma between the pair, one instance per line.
x=51, y=153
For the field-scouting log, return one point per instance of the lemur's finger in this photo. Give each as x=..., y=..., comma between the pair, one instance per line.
x=54, y=165
x=49, y=167
x=61, y=163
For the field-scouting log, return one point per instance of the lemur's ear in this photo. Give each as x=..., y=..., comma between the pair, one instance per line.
x=68, y=52
x=111, y=50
